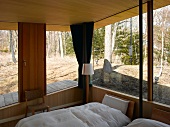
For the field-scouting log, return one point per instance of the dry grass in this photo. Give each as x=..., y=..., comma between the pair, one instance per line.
x=60, y=69
x=57, y=70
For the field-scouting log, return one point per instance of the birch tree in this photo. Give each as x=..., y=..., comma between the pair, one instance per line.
x=61, y=45
x=115, y=25
x=108, y=43
x=64, y=42
x=161, y=17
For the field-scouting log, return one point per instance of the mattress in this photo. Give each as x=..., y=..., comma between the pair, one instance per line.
x=89, y=115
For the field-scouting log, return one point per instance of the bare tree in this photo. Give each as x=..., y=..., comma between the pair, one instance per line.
x=57, y=47
x=61, y=45
x=12, y=47
x=15, y=37
x=115, y=25
x=64, y=42
x=48, y=43
x=2, y=45
x=161, y=17
x=108, y=43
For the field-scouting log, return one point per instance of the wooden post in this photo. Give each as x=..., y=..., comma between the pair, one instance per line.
x=150, y=49
x=32, y=58
x=87, y=88
x=141, y=58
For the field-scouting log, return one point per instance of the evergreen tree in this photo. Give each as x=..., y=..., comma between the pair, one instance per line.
x=122, y=46
x=69, y=44
x=98, y=43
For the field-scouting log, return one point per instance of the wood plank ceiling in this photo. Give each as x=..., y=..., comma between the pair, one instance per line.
x=60, y=14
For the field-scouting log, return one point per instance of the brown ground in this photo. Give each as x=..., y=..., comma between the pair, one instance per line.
x=8, y=74
x=57, y=70
x=133, y=71
x=66, y=68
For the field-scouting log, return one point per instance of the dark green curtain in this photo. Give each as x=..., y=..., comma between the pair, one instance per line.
x=82, y=42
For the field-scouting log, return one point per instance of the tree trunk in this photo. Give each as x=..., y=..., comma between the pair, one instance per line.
x=163, y=39
x=12, y=47
x=10, y=41
x=49, y=44
x=114, y=35
x=162, y=54
x=64, y=42
x=108, y=43
x=57, y=44
x=61, y=45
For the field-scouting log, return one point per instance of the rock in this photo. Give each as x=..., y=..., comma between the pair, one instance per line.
x=116, y=76
x=107, y=68
x=106, y=77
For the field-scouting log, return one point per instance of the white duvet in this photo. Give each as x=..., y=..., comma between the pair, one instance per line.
x=142, y=122
x=88, y=115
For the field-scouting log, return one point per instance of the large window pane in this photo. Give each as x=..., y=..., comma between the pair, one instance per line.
x=120, y=72
x=161, y=86
x=62, y=66
x=116, y=57
x=8, y=67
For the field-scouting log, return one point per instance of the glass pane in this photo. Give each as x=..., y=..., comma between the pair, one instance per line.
x=161, y=86
x=62, y=66
x=116, y=60
x=8, y=67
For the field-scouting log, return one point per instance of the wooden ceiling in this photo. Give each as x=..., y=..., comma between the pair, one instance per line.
x=60, y=14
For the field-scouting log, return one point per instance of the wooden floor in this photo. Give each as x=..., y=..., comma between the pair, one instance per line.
x=11, y=98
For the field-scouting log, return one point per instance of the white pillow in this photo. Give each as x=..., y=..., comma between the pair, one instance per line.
x=116, y=103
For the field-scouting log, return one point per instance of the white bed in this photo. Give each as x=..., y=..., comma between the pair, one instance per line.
x=159, y=118
x=88, y=115
x=110, y=113
x=143, y=122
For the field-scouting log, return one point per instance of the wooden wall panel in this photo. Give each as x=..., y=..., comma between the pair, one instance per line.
x=63, y=97
x=97, y=94
x=9, y=124
x=32, y=53
x=32, y=41
x=25, y=60
x=41, y=73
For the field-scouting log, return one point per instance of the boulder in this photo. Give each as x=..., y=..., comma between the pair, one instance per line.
x=107, y=70
x=107, y=67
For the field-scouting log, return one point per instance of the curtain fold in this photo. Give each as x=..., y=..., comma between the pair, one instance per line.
x=82, y=42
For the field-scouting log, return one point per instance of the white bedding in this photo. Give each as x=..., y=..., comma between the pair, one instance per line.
x=88, y=115
x=142, y=122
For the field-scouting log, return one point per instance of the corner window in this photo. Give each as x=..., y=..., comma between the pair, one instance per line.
x=61, y=62
x=8, y=67
x=161, y=61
